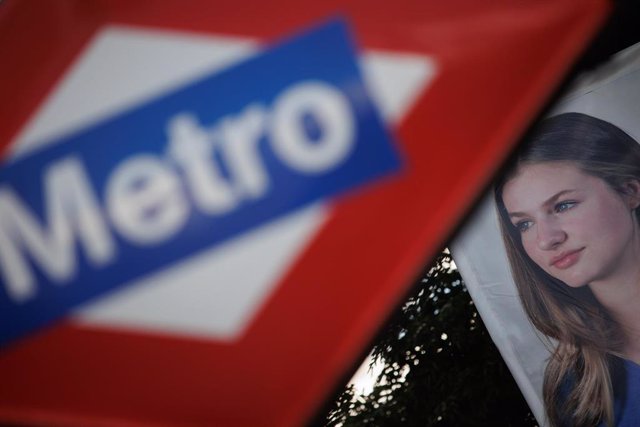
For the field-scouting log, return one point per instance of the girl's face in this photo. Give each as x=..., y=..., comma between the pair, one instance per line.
x=573, y=225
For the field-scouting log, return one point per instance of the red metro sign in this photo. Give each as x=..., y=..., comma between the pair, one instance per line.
x=257, y=323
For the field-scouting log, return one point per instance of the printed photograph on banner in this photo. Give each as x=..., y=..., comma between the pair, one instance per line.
x=551, y=256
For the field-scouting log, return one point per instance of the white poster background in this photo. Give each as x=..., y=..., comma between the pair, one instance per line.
x=612, y=93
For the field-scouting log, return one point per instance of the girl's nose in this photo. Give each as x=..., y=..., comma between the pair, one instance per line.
x=550, y=235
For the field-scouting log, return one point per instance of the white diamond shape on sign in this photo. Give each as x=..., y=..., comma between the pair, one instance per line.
x=216, y=293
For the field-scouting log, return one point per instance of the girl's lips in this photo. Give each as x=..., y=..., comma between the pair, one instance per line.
x=566, y=259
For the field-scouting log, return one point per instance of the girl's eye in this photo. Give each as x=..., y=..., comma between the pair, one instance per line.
x=563, y=206
x=523, y=225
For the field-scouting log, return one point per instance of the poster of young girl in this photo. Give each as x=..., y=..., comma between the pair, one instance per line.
x=552, y=257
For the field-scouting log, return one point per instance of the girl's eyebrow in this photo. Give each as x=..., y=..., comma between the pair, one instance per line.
x=550, y=201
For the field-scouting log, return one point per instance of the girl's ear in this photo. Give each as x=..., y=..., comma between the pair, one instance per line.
x=632, y=193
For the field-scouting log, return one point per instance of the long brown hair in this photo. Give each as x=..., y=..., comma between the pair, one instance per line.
x=577, y=386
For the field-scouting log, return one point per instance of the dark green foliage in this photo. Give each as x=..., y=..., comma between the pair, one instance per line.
x=440, y=366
